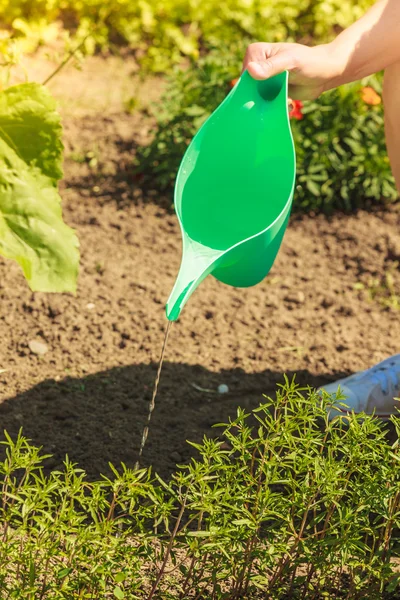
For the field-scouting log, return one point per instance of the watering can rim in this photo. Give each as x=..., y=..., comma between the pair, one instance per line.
x=219, y=253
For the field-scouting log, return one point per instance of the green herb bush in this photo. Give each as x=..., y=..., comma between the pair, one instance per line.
x=290, y=506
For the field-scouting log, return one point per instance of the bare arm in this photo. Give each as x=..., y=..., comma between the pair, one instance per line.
x=372, y=43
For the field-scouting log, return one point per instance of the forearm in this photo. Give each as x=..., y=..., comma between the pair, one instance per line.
x=369, y=45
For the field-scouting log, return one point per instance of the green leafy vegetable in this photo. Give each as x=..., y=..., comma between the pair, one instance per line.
x=32, y=231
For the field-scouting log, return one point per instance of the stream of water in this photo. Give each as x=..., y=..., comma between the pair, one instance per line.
x=152, y=403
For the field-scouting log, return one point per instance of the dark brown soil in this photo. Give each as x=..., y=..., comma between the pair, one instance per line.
x=88, y=396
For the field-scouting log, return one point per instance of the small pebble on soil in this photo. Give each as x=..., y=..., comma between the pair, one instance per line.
x=39, y=348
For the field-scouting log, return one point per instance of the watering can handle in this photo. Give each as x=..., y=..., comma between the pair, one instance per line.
x=267, y=90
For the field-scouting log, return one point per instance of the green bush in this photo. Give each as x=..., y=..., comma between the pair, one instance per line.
x=341, y=152
x=340, y=144
x=291, y=506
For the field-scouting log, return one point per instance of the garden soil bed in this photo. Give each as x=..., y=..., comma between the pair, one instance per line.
x=88, y=395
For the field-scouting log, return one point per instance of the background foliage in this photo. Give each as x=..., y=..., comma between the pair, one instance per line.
x=163, y=30
x=340, y=144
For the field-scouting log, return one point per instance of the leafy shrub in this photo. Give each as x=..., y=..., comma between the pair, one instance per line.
x=291, y=505
x=164, y=30
x=341, y=152
x=340, y=144
x=32, y=231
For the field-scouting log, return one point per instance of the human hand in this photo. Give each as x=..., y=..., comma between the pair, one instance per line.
x=311, y=70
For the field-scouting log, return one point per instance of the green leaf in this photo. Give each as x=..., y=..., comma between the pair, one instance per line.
x=32, y=573
x=313, y=187
x=194, y=111
x=32, y=231
x=64, y=572
x=118, y=593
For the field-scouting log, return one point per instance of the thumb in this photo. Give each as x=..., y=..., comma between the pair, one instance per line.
x=264, y=69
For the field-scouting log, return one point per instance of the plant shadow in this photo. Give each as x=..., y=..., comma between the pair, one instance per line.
x=99, y=418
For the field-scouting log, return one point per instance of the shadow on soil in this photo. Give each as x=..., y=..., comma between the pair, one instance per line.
x=99, y=418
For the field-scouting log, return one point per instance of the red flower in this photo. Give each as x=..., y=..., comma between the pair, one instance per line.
x=233, y=82
x=295, y=107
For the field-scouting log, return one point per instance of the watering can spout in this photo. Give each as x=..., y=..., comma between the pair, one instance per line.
x=197, y=262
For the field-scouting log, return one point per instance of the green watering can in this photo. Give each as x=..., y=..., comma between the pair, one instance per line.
x=234, y=189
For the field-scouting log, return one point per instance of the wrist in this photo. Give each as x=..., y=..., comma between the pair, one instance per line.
x=337, y=59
